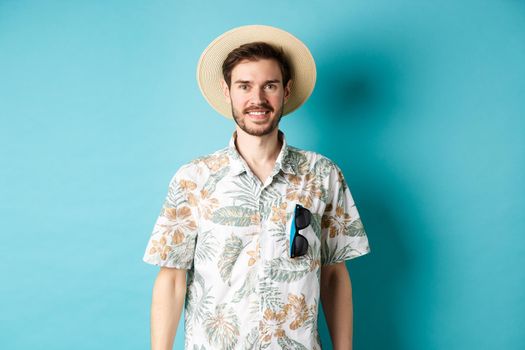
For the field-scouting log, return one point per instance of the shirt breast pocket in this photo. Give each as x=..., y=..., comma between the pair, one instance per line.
x=299, y=265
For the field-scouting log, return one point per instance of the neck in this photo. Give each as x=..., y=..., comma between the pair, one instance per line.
x=258, y=150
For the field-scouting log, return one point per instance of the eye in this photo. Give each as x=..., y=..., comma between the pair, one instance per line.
x=271, y=86
x=243, y=86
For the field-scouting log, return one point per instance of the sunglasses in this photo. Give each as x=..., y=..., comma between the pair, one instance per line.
x=300, y=220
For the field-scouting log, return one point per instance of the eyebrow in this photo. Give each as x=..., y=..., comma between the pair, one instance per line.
x=249, y=81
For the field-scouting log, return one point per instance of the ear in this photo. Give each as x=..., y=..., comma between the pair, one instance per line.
x=225, y=91
x=287, y=90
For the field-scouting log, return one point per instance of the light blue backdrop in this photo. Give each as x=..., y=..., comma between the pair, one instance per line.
x=420, y=102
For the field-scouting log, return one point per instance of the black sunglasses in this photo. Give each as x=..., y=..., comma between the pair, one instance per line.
x=301, y=220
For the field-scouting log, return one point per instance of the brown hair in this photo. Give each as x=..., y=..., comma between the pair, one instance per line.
x=253, y=52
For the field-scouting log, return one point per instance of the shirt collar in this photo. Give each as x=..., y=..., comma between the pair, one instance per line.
x=238, y=165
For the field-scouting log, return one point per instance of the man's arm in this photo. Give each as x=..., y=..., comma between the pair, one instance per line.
x=168, y=297
x=336, y=298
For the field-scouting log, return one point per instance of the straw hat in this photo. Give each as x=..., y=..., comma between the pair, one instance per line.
x=302, y=64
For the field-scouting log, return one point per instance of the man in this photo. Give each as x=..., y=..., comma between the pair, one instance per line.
x=262, y=229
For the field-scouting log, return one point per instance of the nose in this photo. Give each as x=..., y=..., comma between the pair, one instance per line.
x=259, y=96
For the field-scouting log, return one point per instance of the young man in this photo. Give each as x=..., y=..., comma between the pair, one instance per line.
x=262, y=229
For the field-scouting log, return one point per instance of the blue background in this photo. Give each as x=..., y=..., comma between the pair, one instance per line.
x=421, y=103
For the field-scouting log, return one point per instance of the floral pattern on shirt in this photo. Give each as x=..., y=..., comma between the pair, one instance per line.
x=231, y=231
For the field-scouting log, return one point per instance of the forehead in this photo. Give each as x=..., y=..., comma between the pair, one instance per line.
x=262, y=69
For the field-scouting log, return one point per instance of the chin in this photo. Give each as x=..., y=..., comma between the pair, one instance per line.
x=257, y=130
x=256, y=127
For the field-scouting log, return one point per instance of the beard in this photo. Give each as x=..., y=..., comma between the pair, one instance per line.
x=240, y=120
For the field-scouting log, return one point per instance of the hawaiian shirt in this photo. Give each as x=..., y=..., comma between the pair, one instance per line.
x=231, y=232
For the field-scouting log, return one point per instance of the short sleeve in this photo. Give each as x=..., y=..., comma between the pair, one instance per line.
x=172, y=242
x=343, y=236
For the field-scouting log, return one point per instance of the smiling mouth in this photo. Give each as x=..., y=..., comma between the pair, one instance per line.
x=258, y=114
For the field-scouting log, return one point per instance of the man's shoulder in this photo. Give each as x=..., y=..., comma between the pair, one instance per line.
x=195, y=166
x=315, y=161
x=205, y=159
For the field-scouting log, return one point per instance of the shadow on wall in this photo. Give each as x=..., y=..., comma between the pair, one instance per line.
x=358, y=94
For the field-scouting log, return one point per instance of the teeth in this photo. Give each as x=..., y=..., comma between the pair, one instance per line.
x=257, y=113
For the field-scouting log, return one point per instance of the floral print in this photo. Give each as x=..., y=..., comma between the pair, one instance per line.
x=303, y=189
x=160, y=247
x=231, y=232
x=279, y=213
x=179, y=221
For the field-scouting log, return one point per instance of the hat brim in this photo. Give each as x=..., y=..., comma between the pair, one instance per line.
x=302, y=65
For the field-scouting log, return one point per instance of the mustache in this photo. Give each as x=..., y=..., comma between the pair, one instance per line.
x=262, y=106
